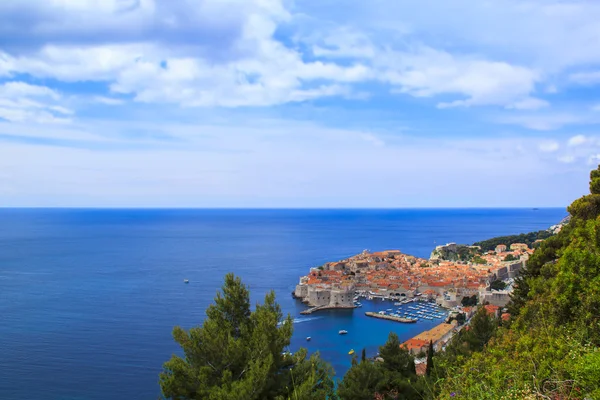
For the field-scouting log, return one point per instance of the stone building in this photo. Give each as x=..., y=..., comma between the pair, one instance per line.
x=325, y=295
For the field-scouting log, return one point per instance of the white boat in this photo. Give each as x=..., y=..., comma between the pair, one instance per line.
x=343, y=332
x=308, y=338
x=186, y=281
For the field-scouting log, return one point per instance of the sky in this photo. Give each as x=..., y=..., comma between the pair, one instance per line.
x=305, y=103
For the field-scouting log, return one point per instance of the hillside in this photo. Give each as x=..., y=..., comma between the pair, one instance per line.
x=549, y=348
x=528, y=238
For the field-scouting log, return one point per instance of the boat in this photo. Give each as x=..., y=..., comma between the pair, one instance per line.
x=308, y=338
x=351, y=352
x=186, y=281
x=343, y=332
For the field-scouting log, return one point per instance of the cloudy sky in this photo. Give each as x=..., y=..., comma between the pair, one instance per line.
x=303, y=103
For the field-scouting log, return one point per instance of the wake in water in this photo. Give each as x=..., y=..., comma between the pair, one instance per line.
x=299, y=320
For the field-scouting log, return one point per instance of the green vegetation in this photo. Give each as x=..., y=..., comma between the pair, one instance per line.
x=239, y=354
x=478, y=260
x=510, y=257
x=498, y=285
x=395, y=377
x=462, y=253
x=430, y=352
x=527, y=238
x=550, y=350
x=469, y=301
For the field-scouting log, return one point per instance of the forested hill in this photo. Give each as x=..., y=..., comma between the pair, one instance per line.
x=550, y=347
x=528, y=238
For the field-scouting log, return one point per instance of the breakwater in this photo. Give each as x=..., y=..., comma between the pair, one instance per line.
x=390, y=317
x=317, y=308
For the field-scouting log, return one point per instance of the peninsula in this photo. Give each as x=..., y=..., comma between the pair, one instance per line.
x=452, y=274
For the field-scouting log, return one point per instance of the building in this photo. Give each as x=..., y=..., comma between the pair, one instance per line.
x=519, y=246
x=500, y=248
x=492, y=310
x=325, y=295
x=416, y=346
x=498, y=298
x=438, y=335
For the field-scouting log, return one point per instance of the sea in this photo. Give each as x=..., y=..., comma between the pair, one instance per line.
x=89, y=297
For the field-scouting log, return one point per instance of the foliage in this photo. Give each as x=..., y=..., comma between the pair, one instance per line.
x=550, y=349
x=478, y=260
x=460, y=318
x=239, y=354
x=430, y=352
x=527, y=238
x=361, y=381
x=462, y=253
x=469, y=301
x=395, y=377
x=510, y=257
x=498, y=285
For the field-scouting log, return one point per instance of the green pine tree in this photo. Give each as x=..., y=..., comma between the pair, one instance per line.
x=361, y=382
x=239, y=354
x=429, y=359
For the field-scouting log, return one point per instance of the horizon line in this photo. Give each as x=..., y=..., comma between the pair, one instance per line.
x=533, y=208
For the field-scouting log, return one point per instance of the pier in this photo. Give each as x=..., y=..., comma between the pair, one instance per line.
x=317, y=308
x=391, y=318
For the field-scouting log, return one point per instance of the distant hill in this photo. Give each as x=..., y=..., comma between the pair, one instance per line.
x=527, y=238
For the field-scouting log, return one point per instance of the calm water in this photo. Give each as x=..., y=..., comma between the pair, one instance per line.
x=88, y=298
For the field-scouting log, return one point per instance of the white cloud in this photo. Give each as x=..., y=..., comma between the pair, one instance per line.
x=585, y=78
x=552, y=35
x=108, y=100
x=566, y=159
x=218, y=165
x=543, y=121
x=529, y=103
x=428, y=72
x=146, y=49
x=23, y=102
x=577, y=140
x=549, y=146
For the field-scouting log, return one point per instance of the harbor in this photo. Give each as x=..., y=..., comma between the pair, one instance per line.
x=390, y=317
x=335, y=332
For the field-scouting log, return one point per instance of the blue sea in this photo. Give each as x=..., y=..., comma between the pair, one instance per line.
x=88, y=298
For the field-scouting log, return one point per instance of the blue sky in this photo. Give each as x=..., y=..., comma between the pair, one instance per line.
x=275, y=103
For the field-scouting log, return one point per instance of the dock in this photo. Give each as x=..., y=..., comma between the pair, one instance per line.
x=390, y=318
x=317, y=308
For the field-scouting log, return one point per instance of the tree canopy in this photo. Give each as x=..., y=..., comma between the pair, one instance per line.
x=240, y=354
x=394, y=377
x=527, y=238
